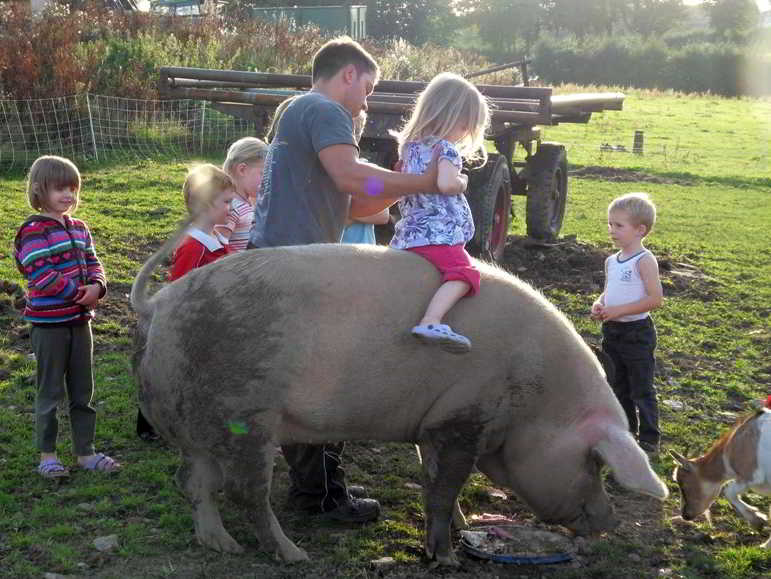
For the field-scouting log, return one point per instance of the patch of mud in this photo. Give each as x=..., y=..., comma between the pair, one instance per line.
x=620, y=175
x=576, y=267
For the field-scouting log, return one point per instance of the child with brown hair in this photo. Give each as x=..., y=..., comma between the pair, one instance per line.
x=55, y=253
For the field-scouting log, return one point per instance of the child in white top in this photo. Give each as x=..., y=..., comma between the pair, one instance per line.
x=451, y=115
x=632, y=290
x=244, y=164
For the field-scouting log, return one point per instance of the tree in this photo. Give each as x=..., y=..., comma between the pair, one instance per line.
x=411, y=20
x=652, y=17
x=509, y=26
x=582, y=17
x=733, y=18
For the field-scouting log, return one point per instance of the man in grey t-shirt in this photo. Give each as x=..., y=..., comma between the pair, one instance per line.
x=300, y=203
x=312, y=182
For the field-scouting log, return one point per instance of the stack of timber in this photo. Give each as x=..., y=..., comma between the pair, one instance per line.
x=514, y=105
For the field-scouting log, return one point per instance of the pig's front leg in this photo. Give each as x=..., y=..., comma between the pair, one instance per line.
x=445, y=470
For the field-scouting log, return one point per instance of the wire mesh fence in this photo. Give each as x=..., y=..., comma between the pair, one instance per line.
x=97, y=127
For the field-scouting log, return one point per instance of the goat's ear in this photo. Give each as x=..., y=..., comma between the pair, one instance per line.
x=684, y=463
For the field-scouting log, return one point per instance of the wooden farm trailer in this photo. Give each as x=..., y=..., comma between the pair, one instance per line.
x=517, y=114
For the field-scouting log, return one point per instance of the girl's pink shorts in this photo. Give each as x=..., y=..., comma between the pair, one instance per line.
x=453, y=262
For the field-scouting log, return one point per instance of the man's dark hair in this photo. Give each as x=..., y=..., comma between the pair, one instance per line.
x=338, y=53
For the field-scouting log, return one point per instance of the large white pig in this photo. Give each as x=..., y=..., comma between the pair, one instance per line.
x=312, y=344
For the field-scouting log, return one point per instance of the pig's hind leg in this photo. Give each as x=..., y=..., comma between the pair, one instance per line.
x=200, y=478
x=446, y=468
x=249, y=473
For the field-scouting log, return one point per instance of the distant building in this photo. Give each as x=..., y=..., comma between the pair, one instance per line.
x=40, y=5
x=350, y=19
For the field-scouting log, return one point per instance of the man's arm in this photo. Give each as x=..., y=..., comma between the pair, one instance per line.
x=380, y=218
x=362, y=179
x=372, y=188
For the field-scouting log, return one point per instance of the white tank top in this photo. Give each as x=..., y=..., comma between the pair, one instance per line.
x=625, y=285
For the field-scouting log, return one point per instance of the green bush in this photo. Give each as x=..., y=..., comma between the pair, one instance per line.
x=118, y=53
x=719, y=68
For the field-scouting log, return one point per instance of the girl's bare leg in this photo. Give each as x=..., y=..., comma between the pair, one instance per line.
x=445, y=297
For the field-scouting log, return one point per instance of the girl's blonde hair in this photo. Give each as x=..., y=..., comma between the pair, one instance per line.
x=203, y=185
x=448, y=102
x=359, y=124
x=277, y=114
x=638, y=206
x=246, y=150
x=51, y=172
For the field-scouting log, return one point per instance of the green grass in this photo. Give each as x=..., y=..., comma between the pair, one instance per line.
x=714, y=214
x=705, y=137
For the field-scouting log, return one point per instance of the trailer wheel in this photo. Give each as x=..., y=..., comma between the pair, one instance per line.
x=489, y=196
x=547, y=190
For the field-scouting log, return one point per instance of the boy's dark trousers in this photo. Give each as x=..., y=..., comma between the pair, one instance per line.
x=64, y=355
x=317, y=480
x=630, y=345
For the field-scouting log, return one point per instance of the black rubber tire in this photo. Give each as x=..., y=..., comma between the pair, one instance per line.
x=489, y=196
x=547, y=191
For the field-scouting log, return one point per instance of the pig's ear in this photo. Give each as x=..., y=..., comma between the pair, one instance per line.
x=629, y=464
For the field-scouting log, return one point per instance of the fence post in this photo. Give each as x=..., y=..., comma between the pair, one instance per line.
x=91, y=125
x=203, y=122
x=638, y=146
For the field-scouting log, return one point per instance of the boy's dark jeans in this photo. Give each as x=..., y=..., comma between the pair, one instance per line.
x=317, y=480
x=64, y=355
x=630, y=345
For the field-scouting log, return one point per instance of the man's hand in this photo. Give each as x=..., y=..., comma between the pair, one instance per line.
x=432, y=171
x=88, y=295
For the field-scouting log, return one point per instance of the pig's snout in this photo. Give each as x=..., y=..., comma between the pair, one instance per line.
x=589, y=523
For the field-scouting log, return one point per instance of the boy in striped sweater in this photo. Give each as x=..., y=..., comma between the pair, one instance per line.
x=65, y=280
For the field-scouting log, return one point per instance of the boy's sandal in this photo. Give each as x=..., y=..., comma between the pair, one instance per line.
x=444, y=336
x=101, y=462
x=52, y=468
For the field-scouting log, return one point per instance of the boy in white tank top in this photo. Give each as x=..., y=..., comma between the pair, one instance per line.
x=632, y=290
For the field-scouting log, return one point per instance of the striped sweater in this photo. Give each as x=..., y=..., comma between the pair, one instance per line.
x=239, y=223
x=56, y=259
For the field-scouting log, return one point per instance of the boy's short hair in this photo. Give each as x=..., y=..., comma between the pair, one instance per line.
x=51, y=172
x=246, y=150
x=203, y=185
x=638, y=206
x=338, y=53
